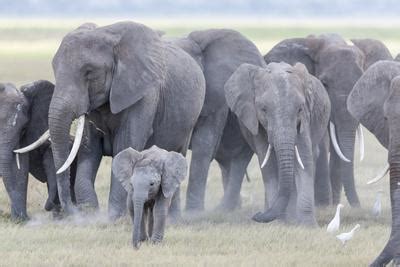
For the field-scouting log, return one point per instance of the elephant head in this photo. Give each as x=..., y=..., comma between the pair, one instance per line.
x=113, y=66
x=23, y=119
x=275, y=104
x=374, y=50
x=338, y=66
x=148, y=175
x=374, y=101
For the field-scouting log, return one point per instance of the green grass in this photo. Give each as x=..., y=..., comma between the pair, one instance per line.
x=26, y=50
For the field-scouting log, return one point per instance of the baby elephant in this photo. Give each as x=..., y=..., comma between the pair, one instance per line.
x=151, y=178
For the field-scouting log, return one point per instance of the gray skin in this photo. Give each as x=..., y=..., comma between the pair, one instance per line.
x=219, y=52
x=397, y=58
x=374, y=50
x=23, y=119
x=374, y=103
x=338, y=66
x=282, y=106
x=145, y=91
x=150, y=177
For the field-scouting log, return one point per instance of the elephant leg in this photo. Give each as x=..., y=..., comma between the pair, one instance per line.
x=205, y=139
x=336, y=181
x=143, y=226
x=224, y=167
x=322, y=185
x=50, y=170
x=305, y=188
x=231, y=198
x=160, y=216
x=130, y=206
x=87, y=166
x=175, y=207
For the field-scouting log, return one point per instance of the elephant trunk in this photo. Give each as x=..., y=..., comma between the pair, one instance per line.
x=346, y=169
x=60, y=119
x=285, y=154
x=392, y=248
x=138, y=205
x=15, y=188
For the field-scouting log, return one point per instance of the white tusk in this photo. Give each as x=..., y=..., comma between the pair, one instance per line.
x=75, y=146
x=35, y=144
x=380, y=175
x=298, y=157
x=17, y=160
x=335, y=142
x=360, y=136
x=266, y=156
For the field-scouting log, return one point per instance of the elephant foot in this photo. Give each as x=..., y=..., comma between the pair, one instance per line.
x=49, y=205
x=88, y=208
x=136, y=244
x=114, y=215
x=155, y=241
x=264, y=217
x=20, y=218
x=229, y=205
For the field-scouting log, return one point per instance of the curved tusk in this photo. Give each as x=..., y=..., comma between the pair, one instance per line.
x=35, y=144
x=298, y=157
x=266, y=156
x=380, y=175
x=335, y=142
x=17, y=160
x=75, y=146
x=360, y=136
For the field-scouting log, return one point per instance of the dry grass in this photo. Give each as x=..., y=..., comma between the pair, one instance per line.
x=211, y=239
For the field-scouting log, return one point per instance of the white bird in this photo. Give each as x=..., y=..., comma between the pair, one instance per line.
x=377, y=208
x=334, y=225
x=344, y=237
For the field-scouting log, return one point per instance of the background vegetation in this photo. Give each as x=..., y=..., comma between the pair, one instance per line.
x=26, y=50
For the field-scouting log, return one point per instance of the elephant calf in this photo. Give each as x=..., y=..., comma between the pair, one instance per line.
x=151, y=178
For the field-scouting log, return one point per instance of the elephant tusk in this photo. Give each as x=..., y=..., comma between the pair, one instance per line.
x=266, y=156
x=17, y=160
x=75, y=146
x=35, y=144
x=360, y=136
x=298, y=157
x=335, y=142
x=380, y=175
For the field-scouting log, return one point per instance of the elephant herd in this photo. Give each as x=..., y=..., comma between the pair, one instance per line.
x=145, y=99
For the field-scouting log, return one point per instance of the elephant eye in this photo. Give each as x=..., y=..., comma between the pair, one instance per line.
x=152, y=183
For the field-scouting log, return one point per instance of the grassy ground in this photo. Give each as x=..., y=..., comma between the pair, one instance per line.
x=26, y=49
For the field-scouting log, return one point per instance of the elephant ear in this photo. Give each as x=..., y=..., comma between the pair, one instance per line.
x=366, y=100
x=174, y=172
x=123, y=165
x=374, y=50
x=140, y=65
x=317, y=108
x=239, y=94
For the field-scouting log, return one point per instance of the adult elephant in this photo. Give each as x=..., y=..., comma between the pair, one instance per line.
x=23, y=119
x=146, y=91
x=283, y=112
x=374, y=102
x=219, y=52
x=338, y=66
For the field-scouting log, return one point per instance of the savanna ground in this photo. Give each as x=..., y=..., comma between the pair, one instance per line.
x=26, y=50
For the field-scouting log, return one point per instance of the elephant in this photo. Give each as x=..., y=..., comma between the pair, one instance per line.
x=283, y=113
x=374, y=103
x=374, y=50
x=150, y=177
x=338, y=66
x=397, y=58
x=144, y=90
x=24, y=117
x=219, y=52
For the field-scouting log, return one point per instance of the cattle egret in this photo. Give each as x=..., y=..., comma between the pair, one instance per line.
x=344, y=237
x=334, y=225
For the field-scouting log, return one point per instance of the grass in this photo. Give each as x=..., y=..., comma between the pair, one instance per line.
x=213, y=238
